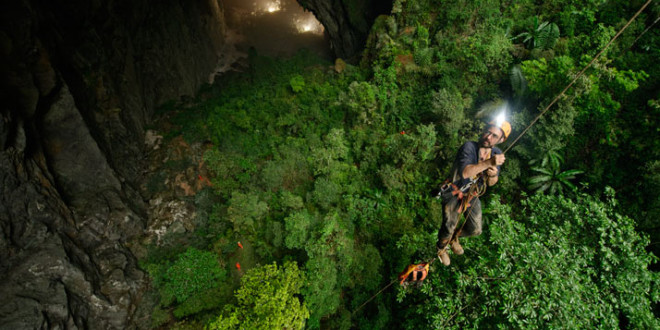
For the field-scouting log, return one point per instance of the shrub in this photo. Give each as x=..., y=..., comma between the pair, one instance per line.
x=554, y=262
x=194, y=272
x=297, y=83
x=266, y=300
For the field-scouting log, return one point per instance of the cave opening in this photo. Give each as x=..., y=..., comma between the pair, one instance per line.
x=276, y=28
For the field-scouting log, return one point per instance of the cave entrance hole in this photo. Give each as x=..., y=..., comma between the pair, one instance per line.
x=277, y=28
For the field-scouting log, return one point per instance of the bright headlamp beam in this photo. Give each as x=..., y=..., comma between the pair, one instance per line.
x=499, y=120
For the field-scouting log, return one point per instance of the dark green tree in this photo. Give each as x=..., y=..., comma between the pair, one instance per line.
x=549, y=176
x=553, y=262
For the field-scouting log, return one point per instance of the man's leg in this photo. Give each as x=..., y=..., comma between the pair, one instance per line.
x=473, y=214
x=472, y=225
x=449, y=219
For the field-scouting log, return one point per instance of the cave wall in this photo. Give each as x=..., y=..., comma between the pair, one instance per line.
x=79, y=82
x=347, y=22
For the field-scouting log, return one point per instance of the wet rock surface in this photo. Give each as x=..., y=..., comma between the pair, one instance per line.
x=80, y=80
x=347, y=22
x=79, y=83
x=175, y=175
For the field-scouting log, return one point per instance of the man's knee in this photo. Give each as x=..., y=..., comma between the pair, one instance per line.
x=473, y=227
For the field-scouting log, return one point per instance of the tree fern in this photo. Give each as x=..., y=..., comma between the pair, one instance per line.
x=549, y=176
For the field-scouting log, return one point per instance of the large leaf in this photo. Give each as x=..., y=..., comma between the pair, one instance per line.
x=547, y=36
x=518, y=82
x=539, y=179
x=570, y=174
x=568, y=184
x=541, y=170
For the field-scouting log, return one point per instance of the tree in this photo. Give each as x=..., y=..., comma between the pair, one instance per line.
x=194, y=272
x=553, y=263
x=266, y=300
x=543, y=35
x=550, y=177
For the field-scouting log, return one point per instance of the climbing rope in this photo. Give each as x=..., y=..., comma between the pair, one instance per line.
x=481, y=190
x=578, y=76
x=374, y=296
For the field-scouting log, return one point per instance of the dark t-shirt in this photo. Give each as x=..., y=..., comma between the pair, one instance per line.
x=468, y=154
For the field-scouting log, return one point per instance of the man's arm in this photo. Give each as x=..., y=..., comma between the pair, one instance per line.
x=474, y=169
x=491, y=175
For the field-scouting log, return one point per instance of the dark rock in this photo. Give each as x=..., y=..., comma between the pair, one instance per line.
x=347, y=22
x=79, y=80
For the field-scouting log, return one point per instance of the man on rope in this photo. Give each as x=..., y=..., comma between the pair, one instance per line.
x=477, y=164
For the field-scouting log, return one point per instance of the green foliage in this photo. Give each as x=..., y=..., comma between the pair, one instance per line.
x=555, y=262
x=448, y=107
x=545, y=78
x=246, y=212
x=193, y=273
x=297, y=229
x=159, y=317
x=518, y=81
x=333, y=171
x=362, y=103
x=297, y=83
x=266, y=300
x=549, y=175
x=321, y=290
x=543, y=35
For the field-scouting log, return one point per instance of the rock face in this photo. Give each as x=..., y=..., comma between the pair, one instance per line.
x=347, y=22
x=79, y=81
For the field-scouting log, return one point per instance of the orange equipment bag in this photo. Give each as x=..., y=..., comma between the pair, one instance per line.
x=414, y=273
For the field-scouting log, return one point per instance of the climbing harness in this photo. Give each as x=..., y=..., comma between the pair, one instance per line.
x=474, y=189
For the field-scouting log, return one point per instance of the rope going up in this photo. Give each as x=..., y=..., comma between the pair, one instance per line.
x=374, y=296
x=431, y=260
x=578, y=75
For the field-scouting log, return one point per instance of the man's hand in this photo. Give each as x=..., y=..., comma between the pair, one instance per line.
x=492, y=177
x=497, y=160
x=491, y=171
x=474, y=169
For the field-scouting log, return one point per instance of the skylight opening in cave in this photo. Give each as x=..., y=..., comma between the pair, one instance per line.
x=274, y=27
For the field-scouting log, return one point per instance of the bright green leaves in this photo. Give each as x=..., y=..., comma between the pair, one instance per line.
x=542, y=35
x=554, y=262
x=333, y=170
x=266, y=300
x=297, y=83
x=616, y=258
x=549, y=177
